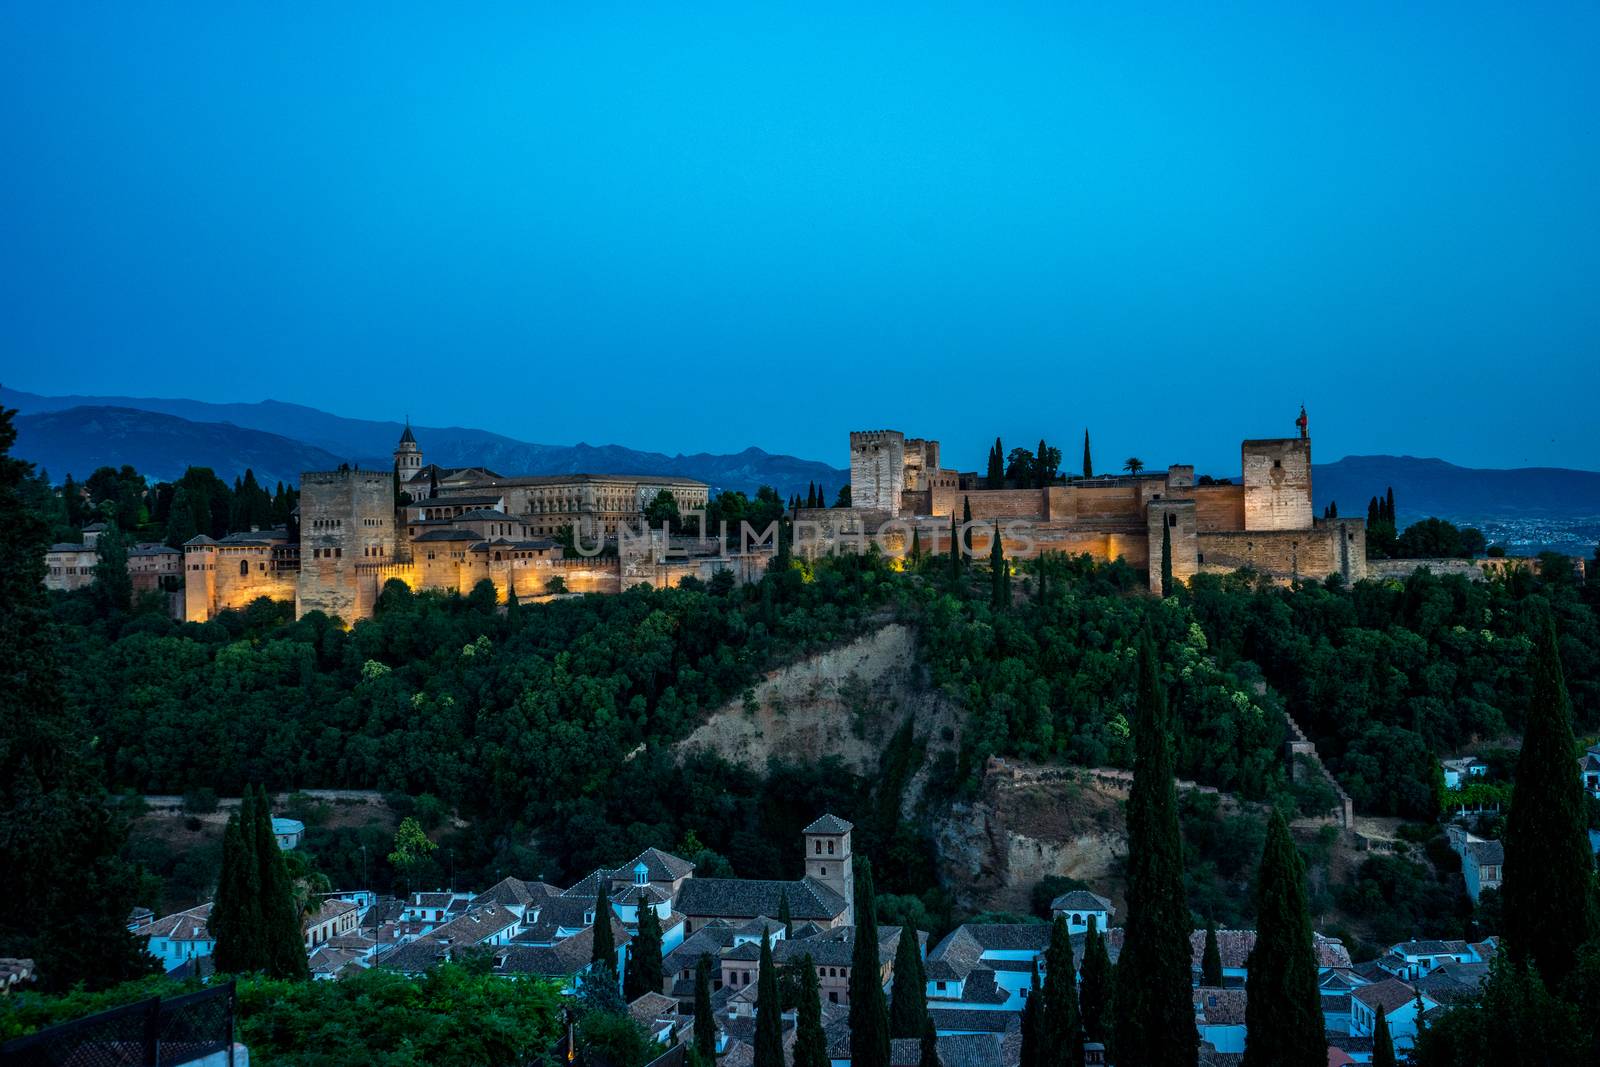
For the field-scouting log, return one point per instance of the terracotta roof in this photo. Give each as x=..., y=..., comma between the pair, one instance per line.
x=1387, y=995
x=745, y=898
x=1220, y=1007
x=1081, y=900
x=180, y=926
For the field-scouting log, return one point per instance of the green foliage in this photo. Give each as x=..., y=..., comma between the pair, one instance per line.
x=1518, y=1022
x=643, y=972
x=869, y=1015
x=769, y=1010
x=1211, y=958
x=1062, y=1028
x=1283, y=1013
x=928, y=1053
x=604, y=953
x=412, y=855
x=1032, y=1052
x=69, y=892
x=112, y=589
x=1155, y=1016
x=908, y=1001
x=235, y=919
x=810, y=1043
x=1382, y=1043
x=1096, y=986
x=1548, y=887
x=705, y=1025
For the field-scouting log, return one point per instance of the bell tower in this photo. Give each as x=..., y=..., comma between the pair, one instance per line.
x=407, y=456
x=827, y=844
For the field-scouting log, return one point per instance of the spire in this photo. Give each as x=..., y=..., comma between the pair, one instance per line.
x=406, y=437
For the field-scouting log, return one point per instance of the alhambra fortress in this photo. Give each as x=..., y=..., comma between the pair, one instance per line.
x=450, y=529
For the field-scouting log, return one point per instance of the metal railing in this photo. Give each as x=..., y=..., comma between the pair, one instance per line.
x=147, y=1033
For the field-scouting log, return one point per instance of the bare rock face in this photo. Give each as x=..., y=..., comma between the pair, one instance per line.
x=845, y=703
x=1027, y=825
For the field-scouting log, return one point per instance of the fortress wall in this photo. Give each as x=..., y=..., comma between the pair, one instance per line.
x=877, y=469
x=1219, y=507
x=246, y=573
x=1173, y=521
x=1336, y=546
x=346, y=518
x=988, y=504
x=1097, y=504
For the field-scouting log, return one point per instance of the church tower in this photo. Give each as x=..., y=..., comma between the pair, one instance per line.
x=407, y=456
x=827, y=843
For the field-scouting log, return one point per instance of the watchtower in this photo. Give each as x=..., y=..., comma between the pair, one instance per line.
x=877, y=470
x=407, y=456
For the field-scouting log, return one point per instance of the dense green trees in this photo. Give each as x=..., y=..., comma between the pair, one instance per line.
x=1283, y=1014
x=255, y=917
x=70, y=894
x=869, y=1015
x=1155, y=1016
x=1096, y=983
x=643, y=971
x=1548, y=890
x=705, y=1025
x=810, y=1043
x=604, y=951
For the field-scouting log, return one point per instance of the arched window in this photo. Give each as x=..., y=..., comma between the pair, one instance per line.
x=244, y=568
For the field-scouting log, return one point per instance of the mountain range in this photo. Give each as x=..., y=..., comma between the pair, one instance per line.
x=161, y=437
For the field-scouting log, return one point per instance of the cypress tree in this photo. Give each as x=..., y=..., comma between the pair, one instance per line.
x=284, y=933
x=810, y=1043
x=1283, y=1006
x=822, y=496
x=908, y=1000
x=955, y=548
x=235, y=919
x=605, y=942
x=998, y=575
x=966, y=537
x=705, y=1027
x=1211, y=960
x=784, y=915
x=1155, y=1016
x=1548, y=882
x=1166, y=558
x=113, y=585
x=916, y=544
x=643, y=972
x=1095, y=985
x=930, y=1047
x=769, y=1010
x=1063, y=1027
x=997, y=466
x=1388, y=506
x=1382, y=1043
x=1038, y=466
x=869, y=1015
x=433, y=482
x=1088, y=464
x=1032, y=1054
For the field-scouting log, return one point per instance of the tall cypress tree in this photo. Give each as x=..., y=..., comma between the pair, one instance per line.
x=283, y=931
x=908, y=1001
x=643, y=972
x=997, y=466
x=1040, y=475
x=113, y=585
x=1211, y=958
x=955, y=548
x=1547, y=890
x=916, y=544
x=998, y=575
x=1032, y=1023
x=769, y=1010
x=1095, y=986
x=1063, y=1028
x=966, y=536
x=1388, y=505
x=705, y=1026
x=235, y=919
x=1088, y=464
x=810, y=1043
x=1382, y=1043
x=1283, y=1006
x=929, y=1052
x=869, y=1015
x=784, y=915
x=1155, y=1015
x=605, y=942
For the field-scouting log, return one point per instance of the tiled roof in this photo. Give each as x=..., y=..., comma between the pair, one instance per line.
x=446, y=535
x=1220, y=1007
x=709, y=940
x=474, y=928
x=986, y=1020
x=1453, y=982
x=745, y=898
x=180, y=926
x=955, y=1050
x=653, y=1007
x=330, y=908
x=1430, y=948
x=1486, y=852
x=1387, y=995
x=561, y=960
x=1081, y=900
x=515, y=892
x=829, y=824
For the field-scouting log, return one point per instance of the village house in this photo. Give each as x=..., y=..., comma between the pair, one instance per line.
x=1398, y=1002
x=1078, y=906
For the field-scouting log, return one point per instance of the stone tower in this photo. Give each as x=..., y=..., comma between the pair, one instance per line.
x=827, y=844
x=347, y=525
x=407, y=456
x=877, y=470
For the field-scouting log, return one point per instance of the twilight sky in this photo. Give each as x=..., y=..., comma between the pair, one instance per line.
x=698, y=227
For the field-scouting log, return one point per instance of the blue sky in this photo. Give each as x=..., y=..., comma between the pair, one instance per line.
x=700, y=227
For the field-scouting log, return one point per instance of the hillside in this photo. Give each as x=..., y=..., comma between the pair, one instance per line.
x=1424, y=487
x=371, y=443
x=78, y=440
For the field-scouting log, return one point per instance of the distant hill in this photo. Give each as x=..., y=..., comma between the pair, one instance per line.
x=1432, y=487
x=371, y=443
x=80, y=439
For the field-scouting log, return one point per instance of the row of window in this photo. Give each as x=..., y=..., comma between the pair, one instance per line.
x=327, y=553
x=327, y=524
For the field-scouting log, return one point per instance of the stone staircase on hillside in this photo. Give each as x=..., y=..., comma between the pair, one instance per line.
x=1300, y=745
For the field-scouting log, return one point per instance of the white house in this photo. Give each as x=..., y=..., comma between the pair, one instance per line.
x=986, y=966
x=1397, y=1001
x=1482, y=865
x=1457, y=772
x=1219, y=1016
x=176, y=939
x=1078, y=906
x=288, y=832
x=1411, y=960
x=1589, y=771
